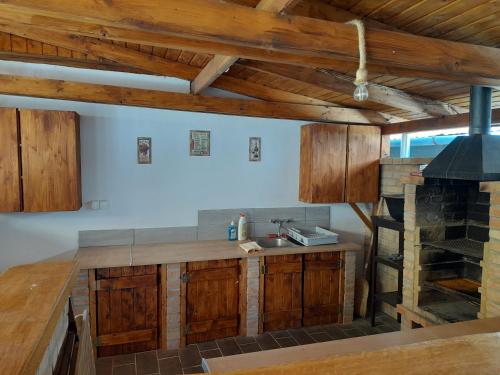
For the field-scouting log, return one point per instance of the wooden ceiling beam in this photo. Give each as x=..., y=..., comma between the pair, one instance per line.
x=146, y=63
x=262, y=35
x=221, y=63
x=344, y=84
x=438, y=123
x=95, y=93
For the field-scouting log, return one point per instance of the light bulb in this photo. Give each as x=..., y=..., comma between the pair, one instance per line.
x=361, y=92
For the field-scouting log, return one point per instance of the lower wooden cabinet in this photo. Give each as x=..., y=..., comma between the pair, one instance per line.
x=323, y=288
x=127, y=309
x=282, y=288
x=212, y=300
x=135, y=309
x=301, y=290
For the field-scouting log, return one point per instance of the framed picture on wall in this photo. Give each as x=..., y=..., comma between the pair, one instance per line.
x=144, y=150
x=254, y=149
x=199, y=143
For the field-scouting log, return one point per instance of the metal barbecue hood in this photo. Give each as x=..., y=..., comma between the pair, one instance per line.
x=476, y=156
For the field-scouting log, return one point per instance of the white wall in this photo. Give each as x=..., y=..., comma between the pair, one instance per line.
x=170, y=190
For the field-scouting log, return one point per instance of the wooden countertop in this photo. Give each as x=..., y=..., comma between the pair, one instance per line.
x=465, y=355
x=314, y=352
x=139, y=255
x=32, y=298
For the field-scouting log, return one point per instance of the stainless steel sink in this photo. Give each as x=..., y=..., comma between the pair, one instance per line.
x=275, y=242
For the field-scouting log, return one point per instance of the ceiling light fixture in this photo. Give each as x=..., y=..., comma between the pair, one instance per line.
x=361, y=81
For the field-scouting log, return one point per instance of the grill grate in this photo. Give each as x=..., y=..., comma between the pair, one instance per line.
x=462, y=246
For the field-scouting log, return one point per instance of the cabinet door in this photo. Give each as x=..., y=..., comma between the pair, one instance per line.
x=212, y=300
x=322, y=288
x=322, y=163
x=127, y=309
x=282, y=292
x=50, y=160
x=363, y=160
x=10, y=199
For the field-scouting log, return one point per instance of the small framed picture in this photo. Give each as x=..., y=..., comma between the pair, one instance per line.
x=199, y=143
x=254, y=149
x=144, y=150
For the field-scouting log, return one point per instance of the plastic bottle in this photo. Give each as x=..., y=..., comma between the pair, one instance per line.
x=231, y=232
x=242, y=228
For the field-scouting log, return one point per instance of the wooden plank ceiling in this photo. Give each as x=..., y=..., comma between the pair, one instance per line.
x=475, y=22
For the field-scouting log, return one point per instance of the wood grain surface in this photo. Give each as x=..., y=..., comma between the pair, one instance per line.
x=282, y=292
x=212, y=304
x=32, y=299
x=127, y=310
x=50, y=160
x=473, y=354
x=10, y=171
x=322, y=288
x=323, y=150
x=363, y=158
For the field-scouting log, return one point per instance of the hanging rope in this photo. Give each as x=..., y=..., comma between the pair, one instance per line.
x=361, y=73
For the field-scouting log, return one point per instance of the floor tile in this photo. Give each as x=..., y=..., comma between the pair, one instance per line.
x=124, y=359
x=243, y=340
x=280, y=334
x=336, y=332
x=190, y=356
x=167, y=353
x=267, y=342
x=250, y=348
x=301, y=336
x=170, y=366
x=228, y=347
x=194, y=370
x=213, y=353
x=321, y=337
x=104, y=366
x=146, y=363
x=124, y=369
x=315, y=329
x=286, y=342
x=202, y=346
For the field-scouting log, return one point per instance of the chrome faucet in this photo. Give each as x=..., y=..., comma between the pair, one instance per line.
x=280, y=223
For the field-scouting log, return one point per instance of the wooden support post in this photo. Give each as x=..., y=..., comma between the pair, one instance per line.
x=362, y=216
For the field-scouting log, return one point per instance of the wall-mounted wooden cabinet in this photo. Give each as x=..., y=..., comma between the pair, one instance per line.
x=39, y=160
x=339, y=163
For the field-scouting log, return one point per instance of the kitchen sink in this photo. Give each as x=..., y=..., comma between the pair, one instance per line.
x=275, y=242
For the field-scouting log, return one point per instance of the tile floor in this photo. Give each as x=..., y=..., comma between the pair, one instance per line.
x=188, y=360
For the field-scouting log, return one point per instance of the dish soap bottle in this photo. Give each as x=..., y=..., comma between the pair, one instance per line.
x=231, y=232
x=242, y=228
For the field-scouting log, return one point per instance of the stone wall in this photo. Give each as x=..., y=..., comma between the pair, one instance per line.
x=392, y=169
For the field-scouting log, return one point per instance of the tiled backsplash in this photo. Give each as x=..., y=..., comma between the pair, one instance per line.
x=212, y=225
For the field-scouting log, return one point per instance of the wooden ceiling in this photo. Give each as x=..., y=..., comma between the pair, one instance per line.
x=468, y=21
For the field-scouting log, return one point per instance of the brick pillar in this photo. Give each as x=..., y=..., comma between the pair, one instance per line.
x=80, y=293
x=173, y=306
x=253, y=280
x=349, y=286
x=490, y=283
x=411, y=250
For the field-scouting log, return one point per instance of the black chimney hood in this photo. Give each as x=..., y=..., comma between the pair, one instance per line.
x=476, y=156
